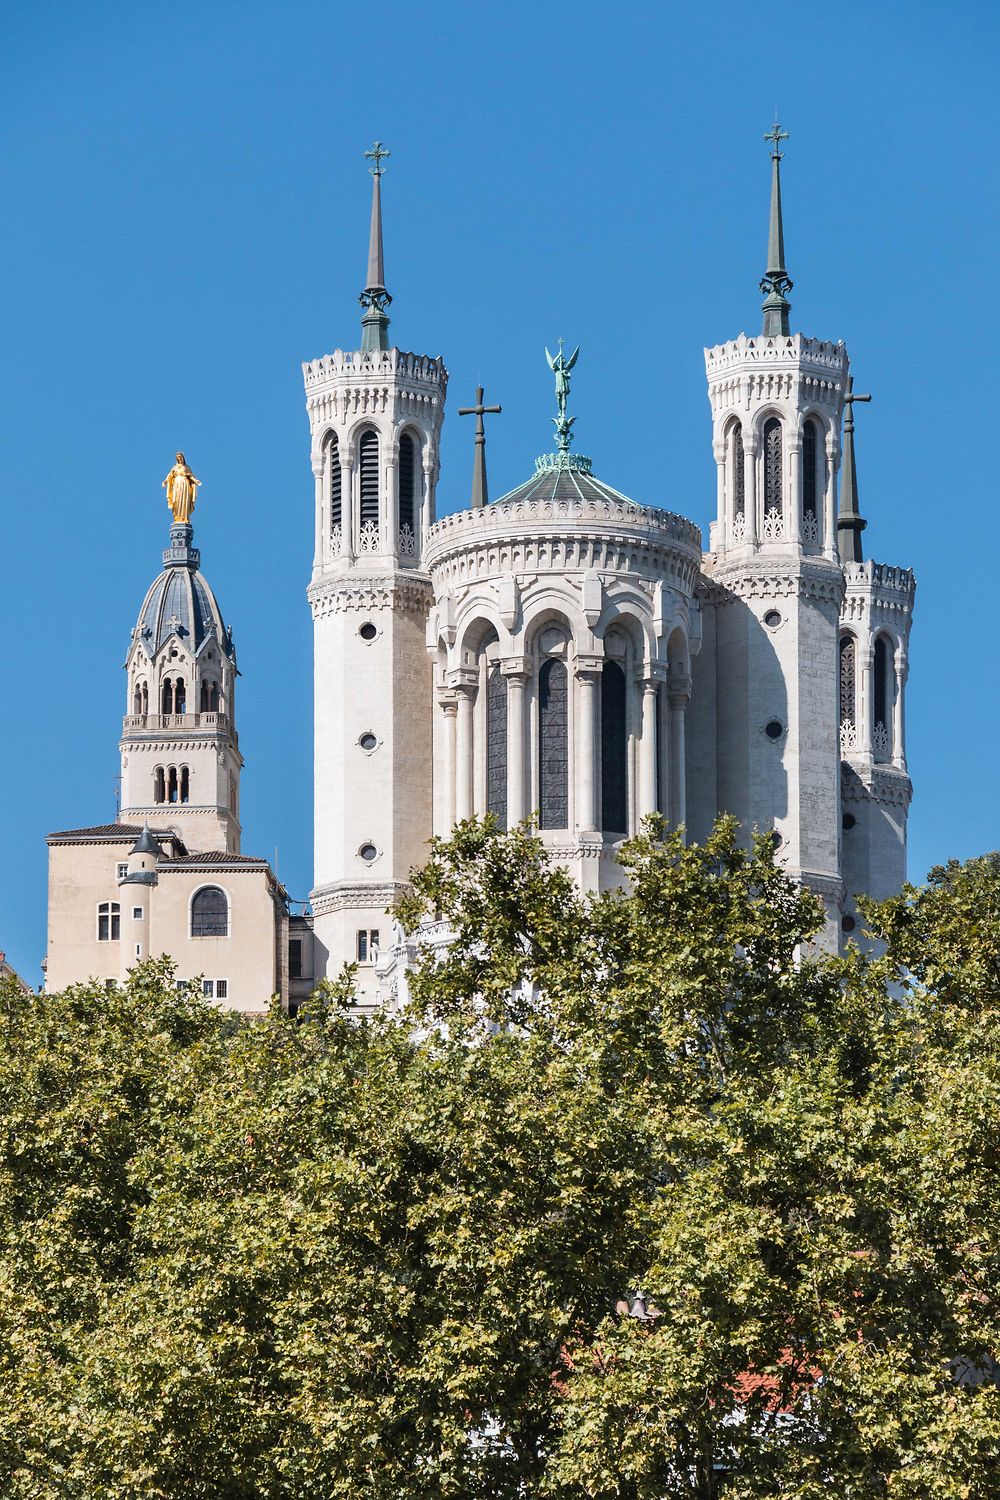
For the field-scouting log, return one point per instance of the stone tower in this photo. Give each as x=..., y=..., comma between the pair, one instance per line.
x=775, y=583
x=375, y=418
x=180, y=757
x=873, y=647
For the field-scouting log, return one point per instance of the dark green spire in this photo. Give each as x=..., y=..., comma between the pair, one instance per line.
x=375, y=299
x=776, y=280
x=849, y=522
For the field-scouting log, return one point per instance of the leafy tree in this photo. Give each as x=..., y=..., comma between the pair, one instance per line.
x=396, y=1256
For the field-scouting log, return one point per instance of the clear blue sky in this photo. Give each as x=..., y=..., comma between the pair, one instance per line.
x=184, y=221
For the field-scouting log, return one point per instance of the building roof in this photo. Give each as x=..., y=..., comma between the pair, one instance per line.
x=570, y=480
x=107, y=832
x=215, y=859
x=180, y=601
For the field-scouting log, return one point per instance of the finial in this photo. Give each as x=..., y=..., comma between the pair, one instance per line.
x=849, y=522
x=480, y=492
x=560, y=367
x=375, y=299
x=776, y=281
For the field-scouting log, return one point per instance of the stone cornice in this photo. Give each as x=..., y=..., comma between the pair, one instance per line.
x=871, y=585
x=408, y=592
x=875, y=783
x=356, y=896
x=774, y=578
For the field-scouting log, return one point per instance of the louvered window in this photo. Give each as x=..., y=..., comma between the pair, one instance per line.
x=496, y=745
x=772, y=468
x=407, y=482
x=809, y=467
x=368, y=451
x=739, y=471
x=334, y=481
x=614, y=778
x=553, y=745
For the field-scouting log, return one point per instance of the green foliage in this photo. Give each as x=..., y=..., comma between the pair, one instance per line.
x=392, y=1256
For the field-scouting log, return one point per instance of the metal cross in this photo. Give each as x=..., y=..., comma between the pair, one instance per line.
x=378, y=155
x=480, y=495
x=776, y=135
x=849, y=401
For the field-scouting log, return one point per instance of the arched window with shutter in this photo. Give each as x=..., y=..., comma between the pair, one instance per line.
x=496, y=744
x=407, y=493
x=209, y=912
x=553, y=745
x=773, y=480
x=369, y=473
x=737, y=481
x=334, y=483
x=848, y=693
x=883, y=696
x=614, y=772
x=810, y=481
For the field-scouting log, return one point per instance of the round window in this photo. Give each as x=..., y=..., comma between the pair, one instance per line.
x=368, y=741
x=368, y=631
x=776, y=839
x=774, y=729
x=848, y=821
x=368, y=852
x=847, y=922
x=772, y=618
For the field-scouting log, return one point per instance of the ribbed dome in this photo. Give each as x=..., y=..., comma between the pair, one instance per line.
x=564, y=476
x=181, y=602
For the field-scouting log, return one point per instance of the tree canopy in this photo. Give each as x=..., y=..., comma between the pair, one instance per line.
x=398, y=1255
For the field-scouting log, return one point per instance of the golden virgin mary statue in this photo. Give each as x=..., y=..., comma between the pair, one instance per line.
x=180, y=485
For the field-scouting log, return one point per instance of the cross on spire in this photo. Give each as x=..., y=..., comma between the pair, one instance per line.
x=480, y=493
x=776, y=135
x=378, y=155
x=776, y=282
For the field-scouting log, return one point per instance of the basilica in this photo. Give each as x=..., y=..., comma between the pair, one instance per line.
x=564, y=653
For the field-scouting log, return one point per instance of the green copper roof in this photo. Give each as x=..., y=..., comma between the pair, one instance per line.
x=776, y=280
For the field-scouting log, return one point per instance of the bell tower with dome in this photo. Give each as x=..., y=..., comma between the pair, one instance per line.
x=180, y=756
x=375, y=417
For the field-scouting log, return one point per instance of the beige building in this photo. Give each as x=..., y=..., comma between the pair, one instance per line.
x=169, y=877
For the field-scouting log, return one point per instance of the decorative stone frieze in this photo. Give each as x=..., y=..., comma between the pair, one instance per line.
x=356, y=896
x=409, y=592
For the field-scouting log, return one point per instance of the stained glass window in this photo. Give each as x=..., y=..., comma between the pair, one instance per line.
x=496, y=744
x=809, y=449
x=209, y=913
x=614, y=776
x=847, y=680
x=772, y=468
x=553, y=745
x=407, y=480
x=739, y=470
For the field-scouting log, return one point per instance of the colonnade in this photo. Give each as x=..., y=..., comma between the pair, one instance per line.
x=655, y=744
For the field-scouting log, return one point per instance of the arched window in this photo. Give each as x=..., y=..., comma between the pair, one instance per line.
x=209, y=697
x=137, y=707
x=171, y=783
x=167, y=696
x=209, y=913
x=180, y=692
x=185, y=783
x=109, y=922
x=407, y=488
x=159, y=785
x=496, y=744
x=737, y=469
x=848, y=693
x=368, y=463
x=883, y=695
x=334, y=481
x=614, y=775
x=773, y=507
x=810, y=481
x=553, y=745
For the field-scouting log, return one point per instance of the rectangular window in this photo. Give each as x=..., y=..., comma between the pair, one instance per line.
x=215, y=989
x=137, y=913
x=108, y=922
x=121, y=870
x=295, y=958
x=367, y=945
x=222, y=989
x=208, y=988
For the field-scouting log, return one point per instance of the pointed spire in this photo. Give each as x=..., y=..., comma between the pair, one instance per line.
x=776, y=280
x=375, y=299
x=849, y=522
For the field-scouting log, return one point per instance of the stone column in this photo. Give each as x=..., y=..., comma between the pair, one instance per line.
x=464, y=683
x=724, y=538
x=322, y=520
x=647, y=749
x=516, y=670
x=830, y=499
x=680, y=691
x=750, y=488
x=449, y=708
x=899, y=712
x=389, y=530
x=794, y=531
x=866, y=728
x=348, y=506
x=586, y=756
